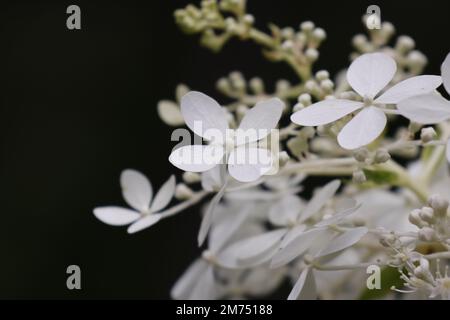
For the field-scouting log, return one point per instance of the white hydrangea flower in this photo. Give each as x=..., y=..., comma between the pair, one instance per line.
x=291, y=215
x=367, y=75
x=199, y=281
x=207, y=119
x=430, y=108
x=138, y=193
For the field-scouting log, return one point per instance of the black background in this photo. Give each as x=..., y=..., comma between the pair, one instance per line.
x=80, y=106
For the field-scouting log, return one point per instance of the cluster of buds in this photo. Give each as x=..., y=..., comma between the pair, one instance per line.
x=235, y=85
x=306, y=39
x=363, y=155
x=299, y=46
x=209, y=19
x=320, y=86
x=299, y=145
x=411, y=62
x=418, y=277
x=432, y=220
x=194, y=19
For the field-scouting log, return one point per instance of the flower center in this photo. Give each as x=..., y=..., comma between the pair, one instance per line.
x=368, y=101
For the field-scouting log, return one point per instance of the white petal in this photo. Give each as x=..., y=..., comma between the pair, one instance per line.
x=425, y=109
x=261, y=282
x=250, y=195
x=170, y=113
x=208, y=217
x=320, y=198
x=196, y=158
x=285, y=210
x=296, y=247
x=445, y=71
x=305, y=287
x=164, y=195
x=344, y=241
x=224, y=230
x=248, y=164
x=183, y=286
x=144, y=223
x=447, y=152
x=363, y=129
x=203, y=115
x=116, y=216
x=259, y=120
x=136, y=189
x=292, y=235
x=247, y=251
x=370, y=73
x=206, y=287
x=324, y=112
x=211, y=179
x=338, y=217
x=410, y=87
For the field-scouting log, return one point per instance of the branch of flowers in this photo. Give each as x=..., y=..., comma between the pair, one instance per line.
x=196, y=197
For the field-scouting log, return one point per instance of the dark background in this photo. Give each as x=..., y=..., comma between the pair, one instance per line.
x=80, y=106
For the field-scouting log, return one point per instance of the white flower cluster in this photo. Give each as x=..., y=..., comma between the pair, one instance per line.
x=263, y=223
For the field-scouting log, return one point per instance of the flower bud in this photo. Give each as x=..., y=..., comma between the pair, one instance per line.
x=257, y=85
x=191, y=177
x=382, y=156
x=287, y=45
x=307, y=26
x=319, y=34
x=282, y=85
x=327, y=85
x=359, y=176
x=387, y=28
x=405, y=43
x=439, y=205
x=414, y=218
x=361, y=155
x=428, y=134
x=322, y=75
x=249, y=19
x=312, y=54
x=298, y=107
x=427, y=214
x=360, y=42
x=223, y=85
x=181, y=90
x=287, y=33
x=305, y=99
x=183, y=192
x=427, y=234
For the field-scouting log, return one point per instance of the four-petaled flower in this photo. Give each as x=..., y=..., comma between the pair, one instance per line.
x=430, y=108
x=367, y=75
x=138, y=193
x=207, y=119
